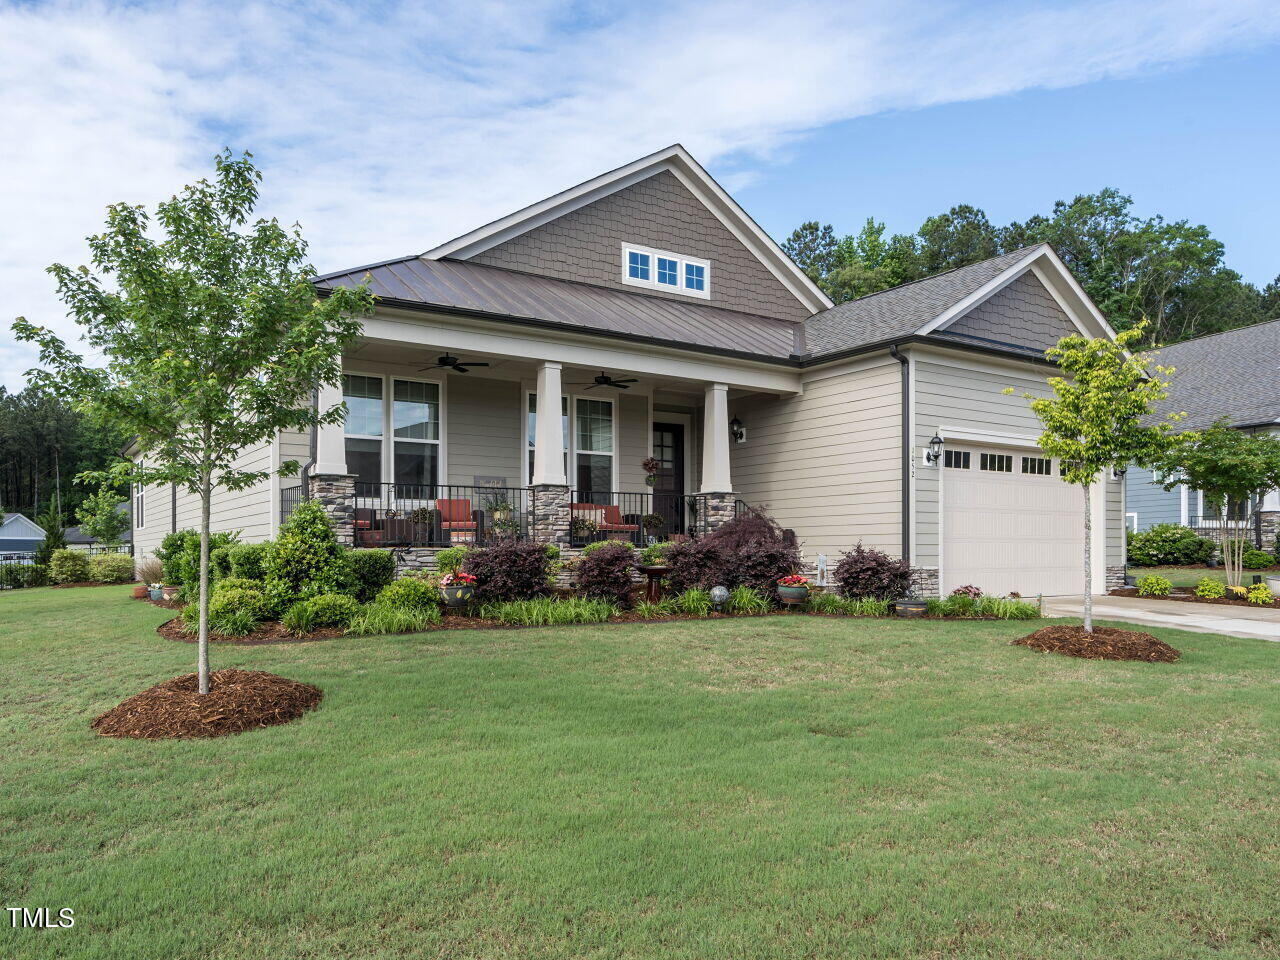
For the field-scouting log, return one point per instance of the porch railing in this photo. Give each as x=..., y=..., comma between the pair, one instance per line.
x=438, y=515
x=636, y=517
x=290, y=497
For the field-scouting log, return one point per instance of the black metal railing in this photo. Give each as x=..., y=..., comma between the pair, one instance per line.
x=438, y=515
x=637, y=517
x=290, y=497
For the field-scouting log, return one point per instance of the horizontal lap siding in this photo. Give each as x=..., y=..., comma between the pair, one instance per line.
x=632, y=412
x=484, y=429
x=826, y=463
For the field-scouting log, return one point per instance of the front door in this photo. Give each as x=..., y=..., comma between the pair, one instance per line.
x=668, y=492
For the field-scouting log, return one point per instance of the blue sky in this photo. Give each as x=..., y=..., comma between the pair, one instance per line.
x=1199, y=141
x=387, y=128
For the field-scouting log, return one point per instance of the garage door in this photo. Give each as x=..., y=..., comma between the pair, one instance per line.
x=1010, y=524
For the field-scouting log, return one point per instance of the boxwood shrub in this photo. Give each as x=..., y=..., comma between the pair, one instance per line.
x=1169, y=544
x=111, y=568
x=1258, y=560
x=414, y=593
x=248, y=560
x=371, y=570
x=69, y=566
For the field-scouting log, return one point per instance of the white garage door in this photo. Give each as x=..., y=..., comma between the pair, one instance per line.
x=1010, y=524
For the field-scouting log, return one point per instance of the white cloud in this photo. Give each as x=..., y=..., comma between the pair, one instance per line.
x=386, y=130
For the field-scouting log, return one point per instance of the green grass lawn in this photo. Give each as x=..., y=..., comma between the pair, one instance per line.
x=785, y=787
x=1190, y=576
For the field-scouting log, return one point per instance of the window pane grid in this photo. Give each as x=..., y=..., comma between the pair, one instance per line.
x=956, y=459
x=667, y=271
x=996, y=462
x=637, y=265
x=695, y=276
x=363, y=396
x=1039, y=466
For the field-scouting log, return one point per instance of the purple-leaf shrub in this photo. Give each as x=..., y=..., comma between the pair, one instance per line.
x=511, y=569
x=866, y=572
x=605, y=573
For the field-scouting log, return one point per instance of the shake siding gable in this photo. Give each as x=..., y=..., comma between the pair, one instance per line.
x=1023, y=313
x=659, y=212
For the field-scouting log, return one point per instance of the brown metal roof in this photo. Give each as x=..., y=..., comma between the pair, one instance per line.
x=473, y=287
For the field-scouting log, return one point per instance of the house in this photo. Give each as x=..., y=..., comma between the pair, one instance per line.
x=19, y=536
x=515, y=379
x=1234, y=376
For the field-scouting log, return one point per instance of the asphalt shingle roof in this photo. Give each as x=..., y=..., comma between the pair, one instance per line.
x=1235, y=375
x=903, y=310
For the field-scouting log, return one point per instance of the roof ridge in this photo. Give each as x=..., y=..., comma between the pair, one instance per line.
x=1219, y=333
x=366, y=266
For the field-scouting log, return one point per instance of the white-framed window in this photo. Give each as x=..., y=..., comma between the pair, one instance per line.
x=664, y=270
x=1039, y=466
x=1237, y=510
x=531, y=432
x=956, y=459
x=139, y=504
x=593, y=445
x=996, y=462
x=392, y=428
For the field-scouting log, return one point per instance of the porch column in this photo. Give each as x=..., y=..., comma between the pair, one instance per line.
x=715, y=440
x=548, y=441
x=331, y=447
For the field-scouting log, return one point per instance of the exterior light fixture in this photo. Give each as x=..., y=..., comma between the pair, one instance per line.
x=737, y=430
x=935, y=451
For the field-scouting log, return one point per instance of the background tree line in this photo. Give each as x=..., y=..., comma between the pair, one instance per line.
x=1169, y=272
x=44, y=443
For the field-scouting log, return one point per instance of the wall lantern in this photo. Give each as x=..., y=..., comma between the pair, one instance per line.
x=737, y=430
x=934, y=453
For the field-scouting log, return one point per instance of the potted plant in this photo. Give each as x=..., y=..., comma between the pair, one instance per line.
x=140, y=591
x=155, y=591
x=909, y=606
x=652, y=523
x=457, y=588
x=793, y=589
x=499, y=508
x=651, y=466
x=583, y=528
x=170, y=590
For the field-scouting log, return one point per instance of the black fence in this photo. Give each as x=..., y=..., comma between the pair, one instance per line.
x=290, y=497
x=19, y=570
x=639, y=518
x=438, y=515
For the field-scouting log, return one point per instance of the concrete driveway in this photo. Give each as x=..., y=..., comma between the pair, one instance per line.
x=1258, y=623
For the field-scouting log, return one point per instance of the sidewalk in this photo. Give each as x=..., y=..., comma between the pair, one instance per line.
x=1257, y=623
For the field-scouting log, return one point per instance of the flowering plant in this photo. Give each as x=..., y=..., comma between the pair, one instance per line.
x=968, y=590
x=457, y=580
x=793, y=580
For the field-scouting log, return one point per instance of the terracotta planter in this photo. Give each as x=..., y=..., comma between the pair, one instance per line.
x=140, y=590
x=793, y=595
x=169, y=592
x=910, y=608
x=457, y=595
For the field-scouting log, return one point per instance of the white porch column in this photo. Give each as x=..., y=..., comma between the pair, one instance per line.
x=548, y=440
x=715, y=440
x=331, y=447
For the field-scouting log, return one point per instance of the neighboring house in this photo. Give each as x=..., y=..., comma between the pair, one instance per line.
x=1233, y=376
x=77, y=539
x=644, y=313
x=19, y=536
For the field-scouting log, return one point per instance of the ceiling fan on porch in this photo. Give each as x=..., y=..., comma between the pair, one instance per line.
x=604, y=380
x=448, y=362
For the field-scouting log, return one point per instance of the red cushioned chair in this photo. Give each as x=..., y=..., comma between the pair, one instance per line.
x=456, y=516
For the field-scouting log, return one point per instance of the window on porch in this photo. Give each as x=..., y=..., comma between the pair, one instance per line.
x=594, y=434
x=392, y=435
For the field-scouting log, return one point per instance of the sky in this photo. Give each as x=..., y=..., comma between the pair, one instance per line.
x=385, y=129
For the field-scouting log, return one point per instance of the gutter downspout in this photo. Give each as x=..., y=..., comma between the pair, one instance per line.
x=906, y=450
x=304, y=474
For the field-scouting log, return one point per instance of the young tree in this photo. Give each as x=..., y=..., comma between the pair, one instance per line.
x=1230, y=468
x=213, y=336
x=100, y=516
x=1098, y=419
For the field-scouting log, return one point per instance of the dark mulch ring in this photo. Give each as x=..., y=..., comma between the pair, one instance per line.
x=1105, y=643
x=1188, y=595
x=79, y=583
x=269, y=631
x=237, y=700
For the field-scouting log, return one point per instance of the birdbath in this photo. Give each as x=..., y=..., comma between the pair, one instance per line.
x=655, y=572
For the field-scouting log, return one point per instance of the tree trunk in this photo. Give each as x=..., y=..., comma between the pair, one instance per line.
x=202, y=667
x=1088, y=561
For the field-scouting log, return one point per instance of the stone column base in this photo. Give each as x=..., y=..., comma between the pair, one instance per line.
x=337, y=494
x=1270, y=520
x=1115, y=578
x=925, y=583
x=718, y=509
x=549, y=506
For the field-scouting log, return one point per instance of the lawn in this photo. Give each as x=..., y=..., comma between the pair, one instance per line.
x=1190, y=576
x=784, y=787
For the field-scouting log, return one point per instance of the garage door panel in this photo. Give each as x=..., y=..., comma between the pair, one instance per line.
x=1012, y=532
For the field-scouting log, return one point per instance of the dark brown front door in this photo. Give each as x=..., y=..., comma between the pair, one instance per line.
x=668, y=492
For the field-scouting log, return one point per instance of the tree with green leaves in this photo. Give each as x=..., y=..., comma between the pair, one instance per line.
x=1099, y=418
x=1231, y=469
x=100, y=516
x=213, y=336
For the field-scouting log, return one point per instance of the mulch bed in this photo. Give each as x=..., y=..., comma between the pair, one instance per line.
x=80, y=583
x=1188, y=595
x=237, y=700
x=1105, y=643
x=269, y=631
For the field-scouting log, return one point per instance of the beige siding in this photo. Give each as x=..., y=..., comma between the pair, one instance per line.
x=826, y=463
x=484, y=426
x=632, y=412
x=966, y=393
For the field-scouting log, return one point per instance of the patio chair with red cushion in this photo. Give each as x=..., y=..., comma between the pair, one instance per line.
x=607, y=518
x=456, y=515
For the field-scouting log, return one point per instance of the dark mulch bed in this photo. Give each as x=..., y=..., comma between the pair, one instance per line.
x=1188, y=595
x=237, y=700
x=167, y=604
x=1105, y=643
x=85, y=583
x=269, y=631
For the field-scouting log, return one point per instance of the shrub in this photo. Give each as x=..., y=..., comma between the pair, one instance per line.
x=248, y=560
x=111, y=568
x=603, y=544
x=655, y=553
x=511, y=569
x=758, y=551
x=150, y=570
x=413, y=593
x=692, y=603
x=1153, y=585
x=179, y=554
x=604, y=572
x=696, y=565
x=1258, y=560
x=277, y=596
x=1211, y=589
x=371, y=570
x=449, y=560
x=232, y=612
x=18, y=575
x=546, y=611
x=1168, y=544
x=220, y=563
x=865, y=572
x=325, y=610
x=69, y=566
x=748, y=601
x=1260, y=594
x=968, y=590
x=235, y=583
x=378, y=618
x=306, y=555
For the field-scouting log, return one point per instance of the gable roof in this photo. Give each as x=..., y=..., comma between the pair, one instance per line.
x=1235, y=374
x=495, y=292
x=17, y=527
x=684, y=167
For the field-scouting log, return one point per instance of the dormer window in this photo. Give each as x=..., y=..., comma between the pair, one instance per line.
x=664, y=270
